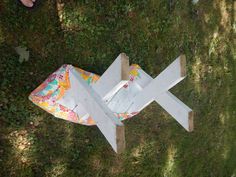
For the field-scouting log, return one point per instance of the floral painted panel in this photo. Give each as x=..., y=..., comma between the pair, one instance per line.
x=54, y=87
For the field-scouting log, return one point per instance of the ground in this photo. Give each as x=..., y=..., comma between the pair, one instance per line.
x=90, y=34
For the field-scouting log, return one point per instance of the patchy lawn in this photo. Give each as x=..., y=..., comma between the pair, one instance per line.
x=90, y=35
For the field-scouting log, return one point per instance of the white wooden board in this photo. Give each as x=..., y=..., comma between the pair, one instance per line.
x=87, y=101
x=108, y=96
x=111, y=127
x=177, y=109
x=172, y=75
x=123, y=100
x=115, y=77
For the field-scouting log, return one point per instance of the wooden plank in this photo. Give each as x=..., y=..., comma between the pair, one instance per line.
x=177, y=109
x=111, y=127
x=123, y=98
x=108, y=84
x=156, y=89
x=172, y=75
x=115, y=77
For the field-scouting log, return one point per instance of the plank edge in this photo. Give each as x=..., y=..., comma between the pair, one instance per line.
x=124, y=66
x=120, y=139
x=182, y=65
x=190, y=121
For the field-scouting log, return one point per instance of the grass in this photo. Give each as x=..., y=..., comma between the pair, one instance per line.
x=90, y=35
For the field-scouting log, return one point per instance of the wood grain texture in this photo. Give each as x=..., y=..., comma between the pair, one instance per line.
x=183, y=65
x=120, y=139
x=124, y=66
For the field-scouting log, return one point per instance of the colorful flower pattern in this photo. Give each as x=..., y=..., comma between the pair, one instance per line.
x=55, y=86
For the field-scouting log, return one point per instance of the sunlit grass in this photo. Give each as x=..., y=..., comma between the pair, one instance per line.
x=198, y=70
x=224, y=117
x=225, y=15
x=169, y=168
x=91, y=34
x=137, y=152
x=22, y=144
x=58, y=168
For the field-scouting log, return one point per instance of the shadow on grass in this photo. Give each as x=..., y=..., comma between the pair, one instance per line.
x=152, y=36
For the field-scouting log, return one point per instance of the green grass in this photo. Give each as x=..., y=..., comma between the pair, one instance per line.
x=90, y=35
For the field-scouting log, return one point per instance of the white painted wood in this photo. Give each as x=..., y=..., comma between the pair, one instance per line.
x=123, y=98
x=111, y=127
x=177, y=109
x=115, y=77
x=79, y=109
x=140, y=92
x=144, y=79
x=172, y=75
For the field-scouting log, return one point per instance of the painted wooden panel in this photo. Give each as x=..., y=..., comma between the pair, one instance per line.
x=115, y=77
x=120, y=93
x=177, y=109
x=123, y=100
x=172, y=75
x=111, y=127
